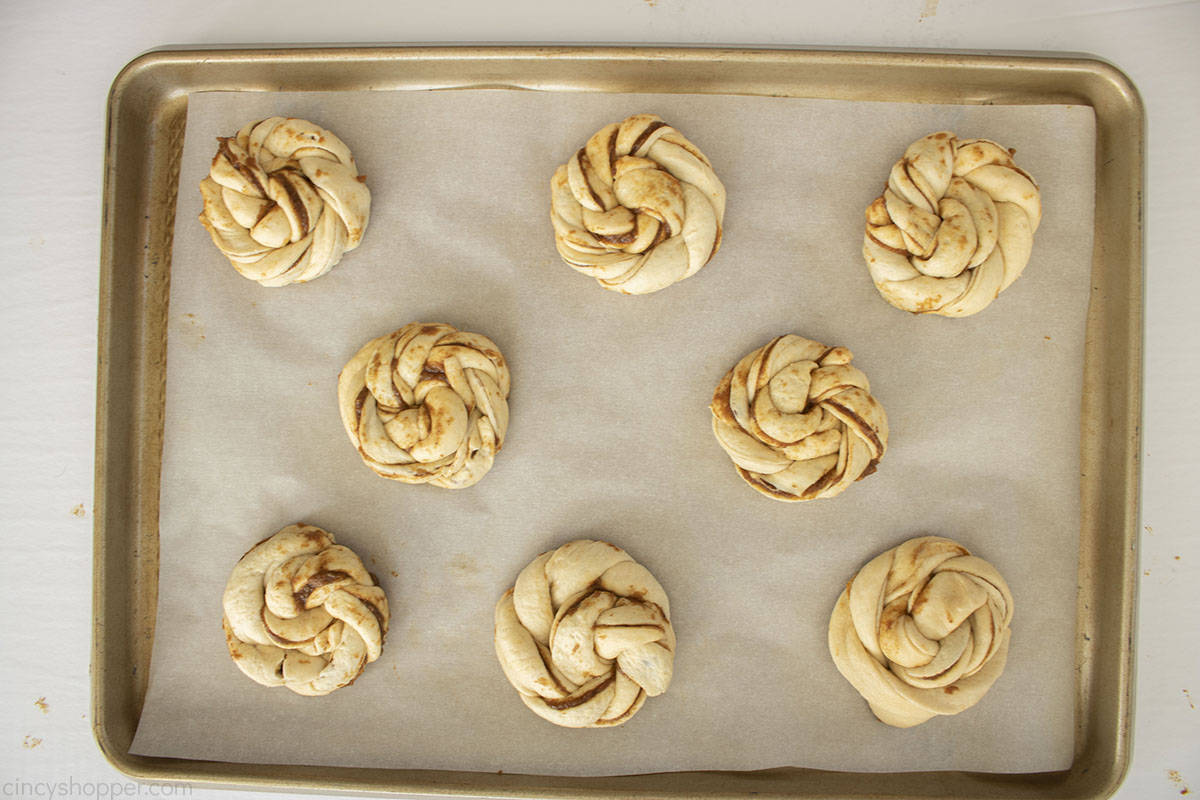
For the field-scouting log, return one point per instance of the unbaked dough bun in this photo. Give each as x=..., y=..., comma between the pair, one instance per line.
x=585, y=635
x=638, y=208
x=426, y=404
x=303, y=612
x=922, y=630
x=799, y=420
x=283, y=200
x=953, y=228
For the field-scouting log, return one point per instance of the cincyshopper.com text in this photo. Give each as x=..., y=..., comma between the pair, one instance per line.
x=70, y=789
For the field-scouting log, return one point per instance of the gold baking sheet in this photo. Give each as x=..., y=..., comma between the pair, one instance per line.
x=798, y=89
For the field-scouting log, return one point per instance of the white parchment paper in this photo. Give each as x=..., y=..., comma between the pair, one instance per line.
x=610, y=438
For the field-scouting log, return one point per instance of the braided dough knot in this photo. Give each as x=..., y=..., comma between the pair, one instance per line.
x=303, y=612
x=953, y=228
x=283, y=200
x=638, y=207
x=798, y=420
x=585, y=635
x=427, y=404
x=922, y=630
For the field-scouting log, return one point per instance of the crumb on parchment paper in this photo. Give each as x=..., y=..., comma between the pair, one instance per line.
x=1174, y=777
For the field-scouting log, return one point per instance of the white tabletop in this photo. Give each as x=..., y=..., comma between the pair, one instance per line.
x=58, y=60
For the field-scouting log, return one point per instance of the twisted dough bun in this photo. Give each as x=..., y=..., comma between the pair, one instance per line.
x=798, y=420
x=284, y=200
x=303, y=612
x=638, y=208
x=585, y=635
x=953, y=228
x=922, y=630
x=427, y=404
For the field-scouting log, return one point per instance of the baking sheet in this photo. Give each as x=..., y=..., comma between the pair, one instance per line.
x=610, y=438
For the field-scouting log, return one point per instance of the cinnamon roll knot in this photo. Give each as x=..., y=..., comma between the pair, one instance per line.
x=953, y=228
x=283, y=200
x=922, y=630
x=427, y=404
x=303, y=612
x=799, y=420
x=585, y=635
x=638, y=207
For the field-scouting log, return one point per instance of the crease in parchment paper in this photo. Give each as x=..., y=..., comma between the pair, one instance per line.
x=610, y=438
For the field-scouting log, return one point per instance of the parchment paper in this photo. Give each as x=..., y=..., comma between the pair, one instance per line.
x=610, y=438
